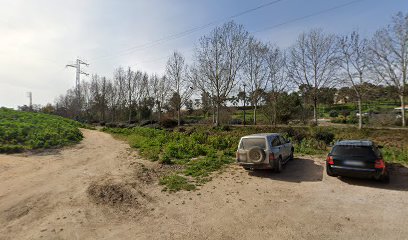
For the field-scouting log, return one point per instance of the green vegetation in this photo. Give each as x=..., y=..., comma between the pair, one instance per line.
x=176, y=182
x=203, y=150
x=26, y=130
x=200, y=152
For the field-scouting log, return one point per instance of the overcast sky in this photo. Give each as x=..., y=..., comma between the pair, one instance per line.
x=39, y=37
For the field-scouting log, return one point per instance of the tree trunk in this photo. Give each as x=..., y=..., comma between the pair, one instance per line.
x=213, y=114
x=130, y=114
x=113, y=114
x=360, y=114
x=255, y=107
x=159, y=109
x=274, y=107
x=403, y=109
x=103, y=113
x=217, y=120
x=315, y=110
x=178, y=116
x=274, y=114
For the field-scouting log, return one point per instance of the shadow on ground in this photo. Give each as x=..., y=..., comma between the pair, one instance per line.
x=398, y=179
x=297, y=170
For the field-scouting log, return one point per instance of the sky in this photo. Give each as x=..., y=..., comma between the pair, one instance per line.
x=38, y=38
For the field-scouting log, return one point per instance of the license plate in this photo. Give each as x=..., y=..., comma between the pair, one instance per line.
x=354, y=163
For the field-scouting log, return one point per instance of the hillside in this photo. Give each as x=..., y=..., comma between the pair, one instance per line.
x=26, y=131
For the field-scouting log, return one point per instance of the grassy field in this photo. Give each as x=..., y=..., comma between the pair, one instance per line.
x=26, y=131
x=203, y=150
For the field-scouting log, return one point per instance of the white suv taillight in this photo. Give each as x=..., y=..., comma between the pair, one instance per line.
x=271, y=157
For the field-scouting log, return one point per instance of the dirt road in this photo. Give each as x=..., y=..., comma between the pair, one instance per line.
x=46, y=196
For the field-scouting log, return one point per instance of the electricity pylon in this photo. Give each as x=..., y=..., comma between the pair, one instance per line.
x=77, y=66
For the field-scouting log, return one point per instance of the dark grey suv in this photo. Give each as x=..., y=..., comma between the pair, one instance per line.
x=357, y=158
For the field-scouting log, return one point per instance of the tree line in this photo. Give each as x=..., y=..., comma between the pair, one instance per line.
x=230, y=66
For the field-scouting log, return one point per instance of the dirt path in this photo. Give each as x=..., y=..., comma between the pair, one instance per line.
x=45, y=197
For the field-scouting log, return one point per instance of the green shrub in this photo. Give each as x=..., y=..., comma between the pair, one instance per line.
x=27, y=130
x=296, y=135
x=311, y=146
x=168, y=123
x=333, y=113
x=339, y=119
x=352, y=119
x=200, y=152
x=202, y=167
x=165, y=159
x=324, y=135
x=345, y=112
x=176, y=183
x=395, y=155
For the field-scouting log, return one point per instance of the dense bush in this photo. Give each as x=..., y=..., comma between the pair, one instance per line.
x=324, y=136
x=236, y=121
x=345, y=112
x=333, y=113
x=296, y=135
x=351, y=119
x=310, y=146
x=168, y=123
x=25, y=130
x=385, y=120
x=147, y=122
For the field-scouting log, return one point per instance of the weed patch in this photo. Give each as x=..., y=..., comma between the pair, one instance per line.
x=176, y=182
x=21, y=131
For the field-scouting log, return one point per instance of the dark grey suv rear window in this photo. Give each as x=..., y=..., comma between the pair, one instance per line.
x=248, y=143
x=355, y=151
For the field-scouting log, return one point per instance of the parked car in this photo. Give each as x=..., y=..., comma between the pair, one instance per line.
x=357, y=158
x=264, y=151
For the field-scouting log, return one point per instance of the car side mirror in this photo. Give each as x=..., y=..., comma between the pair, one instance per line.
x=380, y=146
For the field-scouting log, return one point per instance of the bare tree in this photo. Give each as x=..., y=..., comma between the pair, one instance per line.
x=130, y=89
x=111, y=100
x=313, y=62
x=98, y=93
x=353, y=61
x=121, y=91
x=177, y=75
x=220, y=57
x=255, y=71
x=277, y=80
x=102, y=98
x=160, y=88
x=389, y=47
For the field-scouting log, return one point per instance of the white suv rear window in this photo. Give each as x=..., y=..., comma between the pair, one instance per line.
x=247, y=143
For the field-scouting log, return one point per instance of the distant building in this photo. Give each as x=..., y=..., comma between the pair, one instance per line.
x=399, y=108
x=340, y=99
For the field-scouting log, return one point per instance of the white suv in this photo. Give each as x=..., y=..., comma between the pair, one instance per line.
x=264, y=151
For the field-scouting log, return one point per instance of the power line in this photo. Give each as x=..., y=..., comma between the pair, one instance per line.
x=309, y=16
x=289, y=21
x=186, y=32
